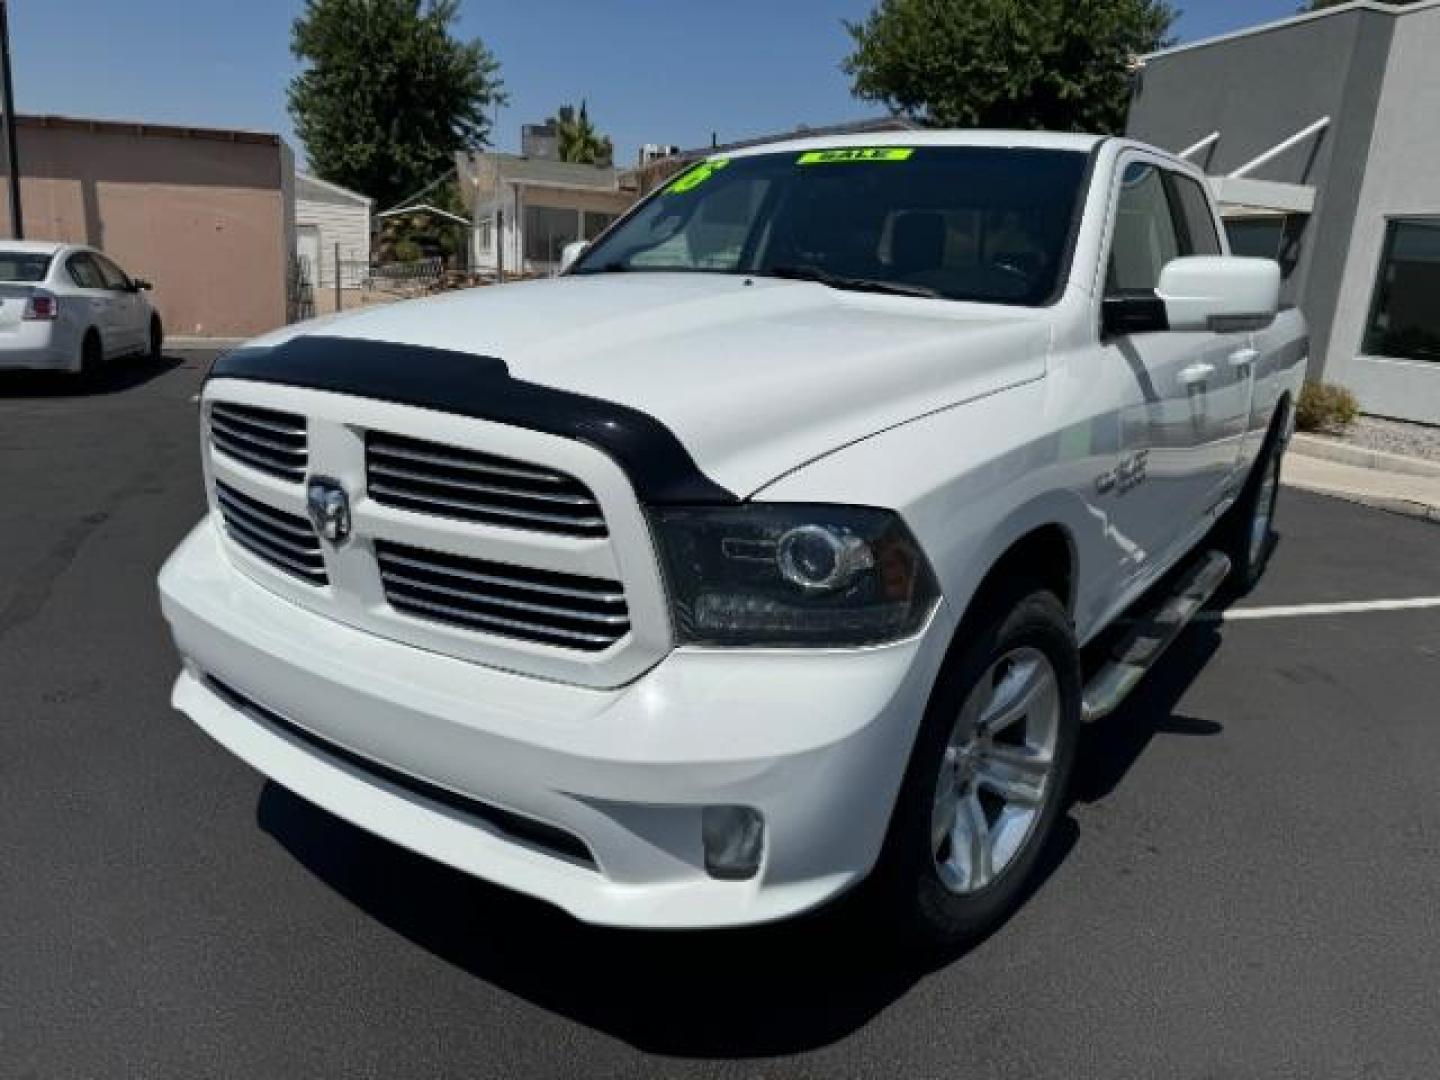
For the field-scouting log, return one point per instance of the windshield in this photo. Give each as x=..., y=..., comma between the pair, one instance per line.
x=26, y=266
x=986, y=224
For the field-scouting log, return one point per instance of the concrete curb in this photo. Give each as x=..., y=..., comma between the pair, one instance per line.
x=1397, y=493
x=1407, y=507
x=176, y=341
x=1330, y=450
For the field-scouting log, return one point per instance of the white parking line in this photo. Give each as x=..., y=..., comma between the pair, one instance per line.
x=1356, y=607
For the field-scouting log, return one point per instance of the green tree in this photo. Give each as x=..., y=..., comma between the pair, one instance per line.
x=579, y=140
x=387, y=94
x=1050, y=64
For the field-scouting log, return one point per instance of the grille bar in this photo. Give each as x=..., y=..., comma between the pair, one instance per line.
x=273, y=442
x=283, y=540
x=401, y=581
x=510, y=601
x=457, y=568
x=447, y=481
x=257, y=514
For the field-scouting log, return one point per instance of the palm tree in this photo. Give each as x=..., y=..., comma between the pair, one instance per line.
x=579, y=141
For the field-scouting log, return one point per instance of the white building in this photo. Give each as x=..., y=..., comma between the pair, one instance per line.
x=327, y=214
x=526, y=209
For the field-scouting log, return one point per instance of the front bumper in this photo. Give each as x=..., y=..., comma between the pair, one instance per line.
x=816, y=741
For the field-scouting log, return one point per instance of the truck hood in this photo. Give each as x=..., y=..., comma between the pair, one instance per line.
x=756, y=377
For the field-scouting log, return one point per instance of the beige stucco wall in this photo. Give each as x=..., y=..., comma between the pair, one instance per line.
x=206, y=216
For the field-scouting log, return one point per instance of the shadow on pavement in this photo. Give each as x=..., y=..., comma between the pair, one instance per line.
x=1110, y=747
x=116, y=377
x=765, y=991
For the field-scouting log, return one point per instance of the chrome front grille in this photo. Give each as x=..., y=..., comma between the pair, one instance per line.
x=467, y=485
x=284, y=540
x=495, y=598
x=273, y=442
x=486, y=542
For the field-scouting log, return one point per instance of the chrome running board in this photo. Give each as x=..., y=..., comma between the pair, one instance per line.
x=1151, y=634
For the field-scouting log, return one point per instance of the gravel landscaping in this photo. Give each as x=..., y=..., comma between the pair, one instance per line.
x=1394, y=437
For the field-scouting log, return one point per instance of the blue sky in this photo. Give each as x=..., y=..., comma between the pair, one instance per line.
x=653, y=71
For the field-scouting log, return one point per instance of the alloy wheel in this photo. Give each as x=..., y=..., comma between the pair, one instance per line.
x=996, y=773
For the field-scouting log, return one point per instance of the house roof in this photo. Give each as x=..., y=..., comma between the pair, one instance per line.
x=1393, y=10
x=515, y=169
x=323, y=188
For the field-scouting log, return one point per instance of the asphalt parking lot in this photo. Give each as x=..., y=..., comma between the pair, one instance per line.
x=1247, y=884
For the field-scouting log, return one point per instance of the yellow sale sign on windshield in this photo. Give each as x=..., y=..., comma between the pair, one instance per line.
x=858, y=153
x=692, y=179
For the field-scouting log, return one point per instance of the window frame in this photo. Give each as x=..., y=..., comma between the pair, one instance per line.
x=84, y=257
x=1123, y=165
x=1392, y=222
x=1174, y=179
x=103, y=262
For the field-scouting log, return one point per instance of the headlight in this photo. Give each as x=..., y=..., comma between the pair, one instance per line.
x=784, y=574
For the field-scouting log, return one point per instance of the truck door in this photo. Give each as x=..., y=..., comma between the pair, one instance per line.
x=1230, y=389
x=1159, y=493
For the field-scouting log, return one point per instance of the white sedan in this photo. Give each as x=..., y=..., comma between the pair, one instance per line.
x=65, y=307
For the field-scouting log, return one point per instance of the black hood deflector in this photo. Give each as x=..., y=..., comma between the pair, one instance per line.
x=660, y=468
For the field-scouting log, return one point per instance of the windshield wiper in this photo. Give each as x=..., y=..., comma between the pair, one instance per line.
x=854, y=284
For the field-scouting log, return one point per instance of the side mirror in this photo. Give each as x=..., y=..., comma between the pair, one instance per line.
x=140, y=285
x=1220, y=293
x=570, y=252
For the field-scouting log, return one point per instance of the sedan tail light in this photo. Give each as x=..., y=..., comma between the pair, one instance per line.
x=42, y=306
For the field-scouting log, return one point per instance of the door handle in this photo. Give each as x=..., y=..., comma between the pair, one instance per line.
x=1243, y=358
x=1197, y=374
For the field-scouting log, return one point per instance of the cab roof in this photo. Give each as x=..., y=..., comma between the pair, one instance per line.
x=1024, y=140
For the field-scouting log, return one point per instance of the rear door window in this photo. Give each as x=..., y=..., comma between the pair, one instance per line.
x=84, y=272
x=111, y=274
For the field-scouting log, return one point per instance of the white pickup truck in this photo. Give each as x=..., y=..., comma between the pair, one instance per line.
x=780, y=544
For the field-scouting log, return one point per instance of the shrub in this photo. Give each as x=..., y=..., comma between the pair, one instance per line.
x=1325, y=407
x=408, y=251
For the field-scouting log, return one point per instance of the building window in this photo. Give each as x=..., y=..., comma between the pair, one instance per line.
x=484, y=234
x=1256, y=237
x=547, y=230
x=1405, y=320
x=596, y=223
x=1268, y=236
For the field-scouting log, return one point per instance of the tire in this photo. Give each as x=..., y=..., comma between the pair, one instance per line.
x=1247, y=534
x=92, y=355
x=156, y=349
x=931, y=889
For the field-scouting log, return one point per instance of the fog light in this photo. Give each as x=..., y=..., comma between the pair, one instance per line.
x=734, y=838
